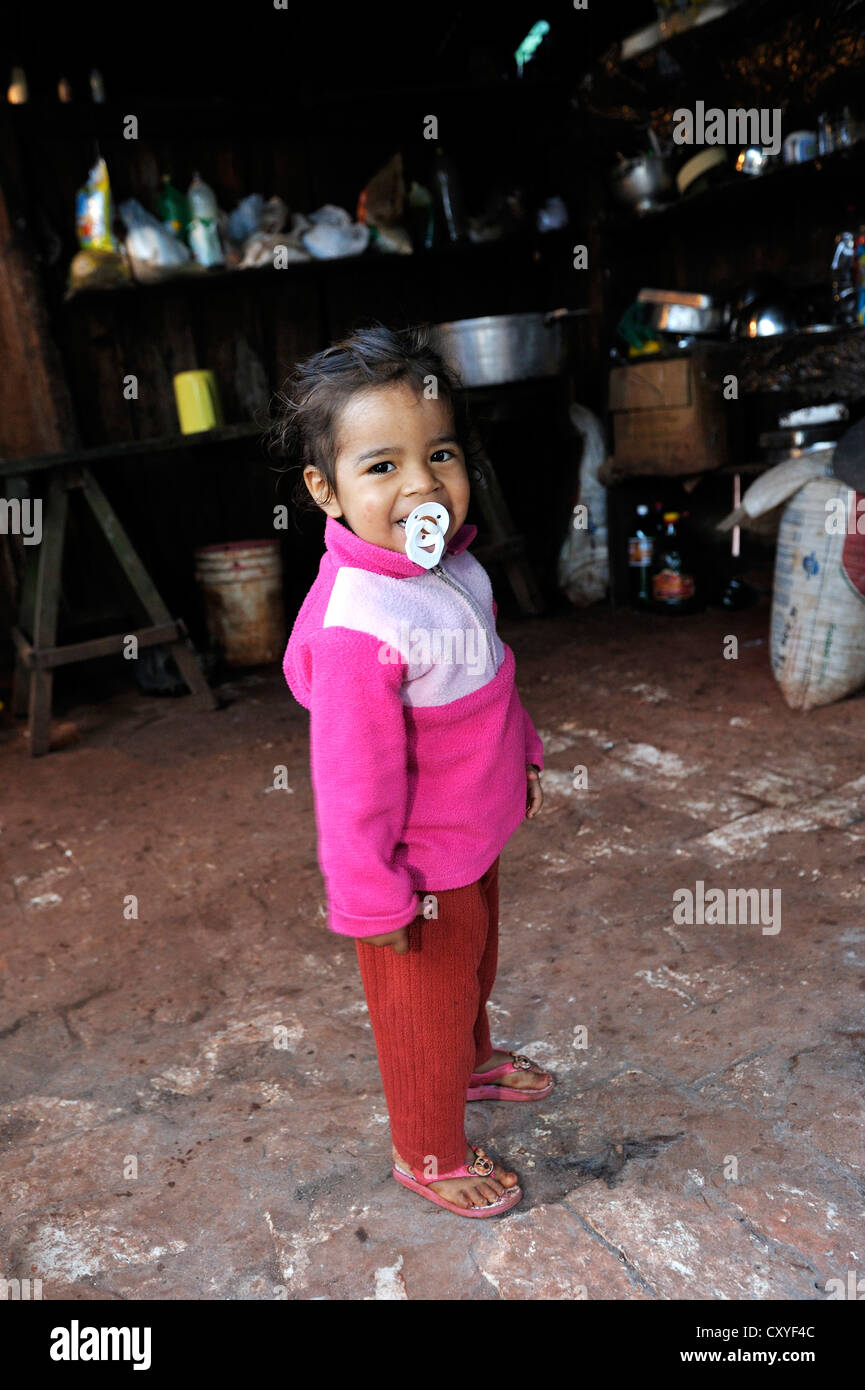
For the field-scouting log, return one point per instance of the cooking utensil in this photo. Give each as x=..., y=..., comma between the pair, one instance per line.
x=701, y=170
x=802, y=436
x=759, y=287
x=754, y=160
x=642, y=184
x=800, y=146
x=557, y=315
x=807, y=415
x=691, y=297
x=767, y=316
x=683, y=312
x=502, y=348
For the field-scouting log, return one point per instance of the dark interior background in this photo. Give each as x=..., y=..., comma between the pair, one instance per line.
x=308, y=103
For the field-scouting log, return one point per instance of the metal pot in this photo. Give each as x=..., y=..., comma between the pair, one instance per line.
x=502, y=348
x=767, y=316
x=679, y=311
x=642, y=183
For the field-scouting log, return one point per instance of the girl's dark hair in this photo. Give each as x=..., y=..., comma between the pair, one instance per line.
x=304, y=425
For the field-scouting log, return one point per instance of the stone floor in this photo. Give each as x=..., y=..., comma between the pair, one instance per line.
x=705, y=1140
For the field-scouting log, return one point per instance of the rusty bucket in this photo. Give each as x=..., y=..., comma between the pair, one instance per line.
x=241, y=582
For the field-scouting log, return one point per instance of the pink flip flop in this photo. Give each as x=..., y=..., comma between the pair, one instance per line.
x=480, y=1089
x=481, y=1168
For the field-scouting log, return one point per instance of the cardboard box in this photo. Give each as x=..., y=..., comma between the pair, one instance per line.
x=669, y=417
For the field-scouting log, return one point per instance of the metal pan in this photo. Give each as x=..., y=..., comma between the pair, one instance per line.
x=502, y=348
x=683, y=312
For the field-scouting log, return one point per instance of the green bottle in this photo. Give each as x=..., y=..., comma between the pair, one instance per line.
x=173, y=208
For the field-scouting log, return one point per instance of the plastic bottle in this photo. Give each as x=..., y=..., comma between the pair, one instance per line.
x=202, y=230
x=202, y=199
x=674, y=582
x=173, y=208
x=421, y=217
x=640, y=552
x=446, y=183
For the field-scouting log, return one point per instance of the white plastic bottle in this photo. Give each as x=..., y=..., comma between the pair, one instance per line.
x=202, y=199
x=203, y=229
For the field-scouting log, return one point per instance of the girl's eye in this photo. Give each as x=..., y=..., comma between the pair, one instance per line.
x=449, y=452
x=385, y=463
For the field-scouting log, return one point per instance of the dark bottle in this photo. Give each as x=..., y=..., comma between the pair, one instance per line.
x=640, y=552
x=659, y=520
x=674, y=581
x=448, y=193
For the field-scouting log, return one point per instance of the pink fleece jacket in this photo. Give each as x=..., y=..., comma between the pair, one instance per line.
x=418, y=740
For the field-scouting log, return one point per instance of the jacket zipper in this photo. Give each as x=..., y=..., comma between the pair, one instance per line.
x=439, y=570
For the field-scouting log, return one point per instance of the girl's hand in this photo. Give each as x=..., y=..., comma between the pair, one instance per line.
x=534, y=792
x=397, y=939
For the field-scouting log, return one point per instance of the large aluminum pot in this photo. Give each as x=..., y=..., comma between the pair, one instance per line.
x=502, y=348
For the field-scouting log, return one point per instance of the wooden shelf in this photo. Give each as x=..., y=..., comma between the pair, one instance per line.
x=644, y=40
x=134, y=448
x=419, y=261
x=743, y=192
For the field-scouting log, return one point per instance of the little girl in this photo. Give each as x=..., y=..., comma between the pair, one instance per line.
x=423, y=760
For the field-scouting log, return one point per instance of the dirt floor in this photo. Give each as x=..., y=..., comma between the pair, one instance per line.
x=705, y=1139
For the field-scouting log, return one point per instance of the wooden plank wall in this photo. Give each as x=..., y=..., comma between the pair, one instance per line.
x=250, y=327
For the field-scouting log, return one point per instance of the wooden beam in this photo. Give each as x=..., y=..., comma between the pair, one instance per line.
x=132, y=448
x=36, y=411
x=48, y=657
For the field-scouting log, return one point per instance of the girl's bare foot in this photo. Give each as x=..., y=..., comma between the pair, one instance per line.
x=533, y=1080
x=470, y=1191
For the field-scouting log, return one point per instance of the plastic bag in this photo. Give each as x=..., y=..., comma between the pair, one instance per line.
x=330, y=215
x=153, y=250
x=270, y=249
x=274, y=215
x=93, y=211
x=333, y=234
x=246, y=218
x=97, y=270
x=584, y=565
x=382, y=202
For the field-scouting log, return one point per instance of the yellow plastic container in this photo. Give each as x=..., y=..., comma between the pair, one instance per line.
x=198, y=404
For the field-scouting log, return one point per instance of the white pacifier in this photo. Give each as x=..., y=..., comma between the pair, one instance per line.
x=425, y=526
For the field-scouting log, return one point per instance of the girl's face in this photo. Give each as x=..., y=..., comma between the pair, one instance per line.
x=395, y=451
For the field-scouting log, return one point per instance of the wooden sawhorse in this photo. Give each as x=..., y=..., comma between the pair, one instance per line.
x=37, y=656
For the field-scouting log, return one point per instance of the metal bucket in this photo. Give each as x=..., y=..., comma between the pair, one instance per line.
x=242, y=587
x=503, y=348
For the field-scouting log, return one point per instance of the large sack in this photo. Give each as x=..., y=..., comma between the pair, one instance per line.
x=818, y=601
x=584, y=563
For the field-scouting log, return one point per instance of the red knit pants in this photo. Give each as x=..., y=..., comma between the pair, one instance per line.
x=429, y=1019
